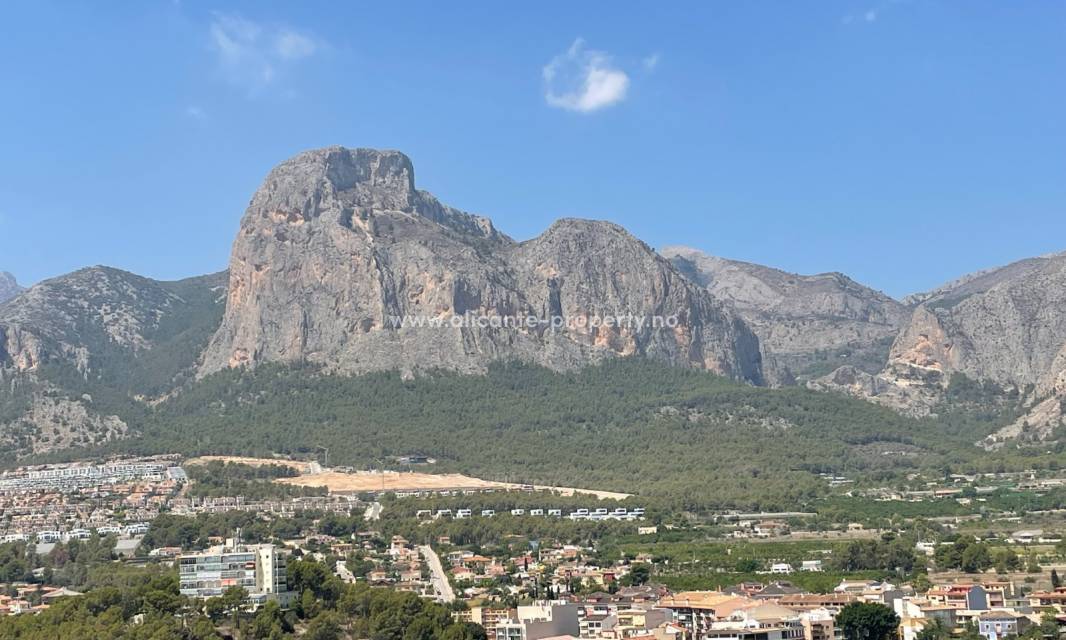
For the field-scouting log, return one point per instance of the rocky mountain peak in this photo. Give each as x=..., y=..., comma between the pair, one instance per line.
x=353, y=186
x=344, y=169
x=9, y=287
x=338, y=245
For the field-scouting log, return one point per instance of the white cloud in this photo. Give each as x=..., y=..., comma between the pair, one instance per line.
x=195, y=112
x=583, y=80
x=251, y=55
x=649, y=63
x=294, y=46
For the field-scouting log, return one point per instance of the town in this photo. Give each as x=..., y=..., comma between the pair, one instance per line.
x=527, y=564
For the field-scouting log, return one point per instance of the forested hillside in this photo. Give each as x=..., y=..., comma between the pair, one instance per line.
x=629, y=425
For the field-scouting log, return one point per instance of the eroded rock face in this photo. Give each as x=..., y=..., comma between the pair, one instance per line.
x=9, y=288
x=338, y=246
x=92, y=312
x=1006, y=325
x=98, y=326
x=805, y=324
x=53, y=421
x=60, y=319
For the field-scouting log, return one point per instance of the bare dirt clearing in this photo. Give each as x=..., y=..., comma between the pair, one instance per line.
x=337, y=482
x=301, y=467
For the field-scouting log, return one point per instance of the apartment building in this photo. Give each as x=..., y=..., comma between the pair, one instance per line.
x=539, y=621
x=259, y=569
x=490, y=618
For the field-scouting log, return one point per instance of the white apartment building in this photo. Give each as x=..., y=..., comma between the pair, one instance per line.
x=259, y=569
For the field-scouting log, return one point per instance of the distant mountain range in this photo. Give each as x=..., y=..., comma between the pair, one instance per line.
x=807, y=325
x=342, y=264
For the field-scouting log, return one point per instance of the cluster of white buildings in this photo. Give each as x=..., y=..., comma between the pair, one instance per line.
x=79, y=476
x=56, y=535
x=620, y=513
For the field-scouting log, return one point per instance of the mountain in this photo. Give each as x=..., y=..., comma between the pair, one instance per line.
x=9, y=288
x=73, y=349
x=338, y=248
x=1005, y=327
x=807, y=325
x=342, y=267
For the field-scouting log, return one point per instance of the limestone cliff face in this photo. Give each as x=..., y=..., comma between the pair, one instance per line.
x=806, y=324
x=1006, y=325
x=9, y=288
x=582, y=270
x=338, y=247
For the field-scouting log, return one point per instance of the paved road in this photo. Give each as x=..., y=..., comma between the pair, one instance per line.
x=437, y=576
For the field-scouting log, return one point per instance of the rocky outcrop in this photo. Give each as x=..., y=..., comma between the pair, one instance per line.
x=99, y=328
x=807, y=325
x=9, y=288
x=340, y=261
x=87, y=319
x=915, y=400
x=52, y=421
x=1006, y=326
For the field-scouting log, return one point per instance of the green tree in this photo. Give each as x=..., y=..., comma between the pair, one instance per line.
x=324, y=626
x=203, y=629
x=1049, y=625
x=867, y=621
x=268, y=621
x=421, y=628
x=934, y=630
x=976, y=558
x=971, y=632
x=309, y=605
x=1006, y=560
x=638, y=574
x=233, y=598
x=1033, y=565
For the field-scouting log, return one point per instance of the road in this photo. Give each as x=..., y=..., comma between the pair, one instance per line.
x=373, y=512
x=437, y=576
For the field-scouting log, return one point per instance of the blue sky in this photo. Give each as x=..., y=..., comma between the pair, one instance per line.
x=903, y=143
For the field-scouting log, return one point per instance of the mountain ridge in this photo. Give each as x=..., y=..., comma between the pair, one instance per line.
x=804, y=322
x=337, y=241
x=339, y=244
x=1005, y=326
